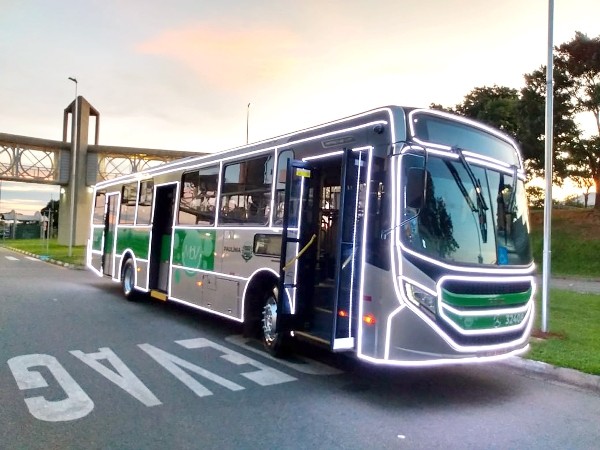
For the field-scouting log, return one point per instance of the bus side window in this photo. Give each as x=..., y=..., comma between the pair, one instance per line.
x=198, y=196
x=246, y=191
x=282, y=163
x=378, y=249
x=128, y=202
x=99, y=206
x=146, y=194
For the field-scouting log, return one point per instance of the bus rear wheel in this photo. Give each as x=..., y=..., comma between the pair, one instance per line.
x=128, y=280
x=273, y=341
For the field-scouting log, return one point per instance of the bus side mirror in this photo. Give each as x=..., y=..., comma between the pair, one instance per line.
x=415, y=187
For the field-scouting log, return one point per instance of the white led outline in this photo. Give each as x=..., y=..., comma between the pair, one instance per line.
x=489, y=331
x=528, y=321
x=361, y=294
x=483, y=270
x=456, y=118
x=199, y=161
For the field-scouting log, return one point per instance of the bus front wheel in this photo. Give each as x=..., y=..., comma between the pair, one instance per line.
x=128, y=280
x=273, y=341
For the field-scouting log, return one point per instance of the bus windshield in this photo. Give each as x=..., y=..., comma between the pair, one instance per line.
x=471, y=215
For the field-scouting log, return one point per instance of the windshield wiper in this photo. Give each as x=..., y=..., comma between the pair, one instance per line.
x=481, y=206
x=480, y=199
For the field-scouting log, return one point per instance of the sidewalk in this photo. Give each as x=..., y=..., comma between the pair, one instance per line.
x=581, y=285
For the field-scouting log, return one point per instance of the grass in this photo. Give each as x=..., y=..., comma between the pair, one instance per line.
x=48, y=248
x=573, y=340
x=575, y=242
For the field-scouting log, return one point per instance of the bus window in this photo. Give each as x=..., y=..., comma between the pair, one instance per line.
x=99, y=208
x=246, y=191
x=128, y=202
x=144, y=215
x=282, y=163
x=198, y=196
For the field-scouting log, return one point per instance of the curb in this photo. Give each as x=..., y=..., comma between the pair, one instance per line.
x=47, y=259
x=560, y=374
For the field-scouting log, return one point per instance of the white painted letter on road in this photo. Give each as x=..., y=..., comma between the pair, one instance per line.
x=75, y=406
x=265, y=376
x=174, y=364
x=123, y=377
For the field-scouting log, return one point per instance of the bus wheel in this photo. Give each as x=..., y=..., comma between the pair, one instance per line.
x=273, y=341
x=128, y=280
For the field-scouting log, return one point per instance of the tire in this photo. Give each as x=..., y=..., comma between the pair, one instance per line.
x=275, y=343
x=128, y=280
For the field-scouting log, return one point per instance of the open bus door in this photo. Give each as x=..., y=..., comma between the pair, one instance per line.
x=333, y=319
x=110, y=228
x=162, y=232
x=298, y=246
x=349, y=258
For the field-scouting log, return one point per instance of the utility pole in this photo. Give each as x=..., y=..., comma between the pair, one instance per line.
x=247, y=121
x=547, y=253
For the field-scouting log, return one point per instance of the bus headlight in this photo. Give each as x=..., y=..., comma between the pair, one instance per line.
x=421, y=297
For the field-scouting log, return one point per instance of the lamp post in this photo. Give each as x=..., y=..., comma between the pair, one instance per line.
x=247, y=121
x=547, y=250
x=73, y=172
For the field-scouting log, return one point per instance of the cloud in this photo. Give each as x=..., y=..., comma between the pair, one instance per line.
x=231, y=57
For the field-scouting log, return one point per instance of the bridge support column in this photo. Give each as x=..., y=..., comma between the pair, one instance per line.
x=77, y=186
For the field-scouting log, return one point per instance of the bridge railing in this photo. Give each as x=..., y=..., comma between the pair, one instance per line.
x=34, y=160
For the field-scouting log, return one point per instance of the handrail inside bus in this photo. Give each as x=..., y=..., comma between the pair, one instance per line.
x=291, y=261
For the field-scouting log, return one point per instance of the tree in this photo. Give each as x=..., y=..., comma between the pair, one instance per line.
x=579, y=60
x=532, y=123
x=496, y=106
x=51, y=210
x=585, y=183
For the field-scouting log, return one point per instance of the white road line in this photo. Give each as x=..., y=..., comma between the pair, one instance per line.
x=32, y=258
x=308, y=366
x=11, y=258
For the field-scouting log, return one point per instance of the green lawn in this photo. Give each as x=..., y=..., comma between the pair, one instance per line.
x=49, y=249
x=573, y=338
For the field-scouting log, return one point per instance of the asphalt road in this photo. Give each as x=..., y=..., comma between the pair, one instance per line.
x=80, y=367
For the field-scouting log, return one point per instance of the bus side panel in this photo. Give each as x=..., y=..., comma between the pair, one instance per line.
x=97, y=247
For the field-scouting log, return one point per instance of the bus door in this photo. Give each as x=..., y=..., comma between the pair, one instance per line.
x=298, y=246
x=349, y=258
x=110, y=228
x=162, y=232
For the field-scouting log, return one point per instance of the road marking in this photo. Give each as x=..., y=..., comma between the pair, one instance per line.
x=174, y=364
x=265, y=376
x=122, y=376
x=32, y=258
x=11, y=258
x=76, y=405
x=307, y=365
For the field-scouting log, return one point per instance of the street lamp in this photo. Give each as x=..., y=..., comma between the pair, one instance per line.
x=73, y=172
x=247, y=121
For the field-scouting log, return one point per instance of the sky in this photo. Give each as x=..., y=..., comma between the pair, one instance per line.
x=180, y=74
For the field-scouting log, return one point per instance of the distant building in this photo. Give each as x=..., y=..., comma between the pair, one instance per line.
x=14, y=225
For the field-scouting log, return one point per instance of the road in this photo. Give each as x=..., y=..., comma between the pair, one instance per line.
x=80, y=367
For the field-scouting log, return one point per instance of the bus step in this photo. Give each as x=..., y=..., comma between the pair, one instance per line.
x=158, y=295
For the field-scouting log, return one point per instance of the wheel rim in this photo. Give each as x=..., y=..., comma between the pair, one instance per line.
x=269, y=320
x=128, y=279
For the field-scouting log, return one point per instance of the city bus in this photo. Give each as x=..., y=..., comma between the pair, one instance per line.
x=400, y=235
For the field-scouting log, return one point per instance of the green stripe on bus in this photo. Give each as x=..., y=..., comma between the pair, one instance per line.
x=486, y=322
x=97, y=239
x=485, y=300
x=195, y=249
x=136, y=240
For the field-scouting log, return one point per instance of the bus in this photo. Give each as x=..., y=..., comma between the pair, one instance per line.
x=400, y=235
